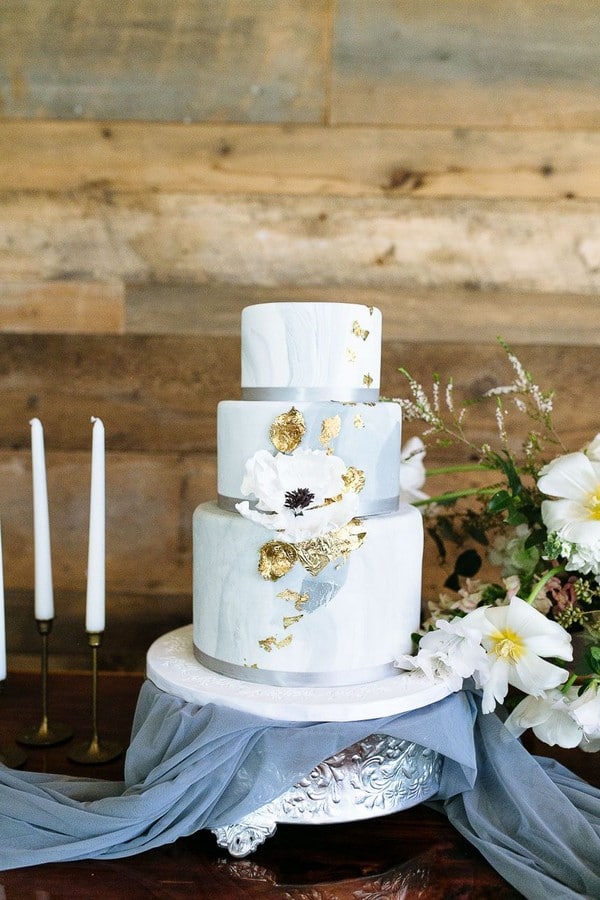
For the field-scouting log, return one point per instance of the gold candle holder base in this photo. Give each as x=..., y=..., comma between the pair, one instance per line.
x=12, y=757
x=44, y=734
x=94, y=751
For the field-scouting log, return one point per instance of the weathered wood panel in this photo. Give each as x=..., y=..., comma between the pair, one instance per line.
x=146, y=158
x=440, y=315
x=177, y=61
x=523, y=63
x=158, y=394
x=150, y=501
x=279, y=241
x=62, y=306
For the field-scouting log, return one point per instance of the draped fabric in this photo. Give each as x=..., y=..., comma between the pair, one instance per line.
x=190, y=767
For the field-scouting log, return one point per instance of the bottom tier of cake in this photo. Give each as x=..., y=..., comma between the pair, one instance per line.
x=324, y=613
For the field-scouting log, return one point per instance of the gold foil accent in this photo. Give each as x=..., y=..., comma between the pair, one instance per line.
x=359, y=332
x=330, y=428
x=367, y=380
x=298, y=599
x=287, y=430
x=271, y=643
x=288, y=621
x=350, y=355
x=358, y=421
x=276, y=559
x=316, y=553
x=354, y=479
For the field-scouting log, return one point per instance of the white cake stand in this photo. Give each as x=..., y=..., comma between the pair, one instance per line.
x=376, y=776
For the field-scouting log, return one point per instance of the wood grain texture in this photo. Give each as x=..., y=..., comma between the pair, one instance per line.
x=280, y=241
x=350, y=161
x=522, y=63
x=62, y=306
x=158, y=394
x=181, y=61
x=455, y=315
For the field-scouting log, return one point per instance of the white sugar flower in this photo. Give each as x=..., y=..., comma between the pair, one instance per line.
x=300, y=494
x=516, y=637
x=574, y=515
x=550, y=717
x=412, y=471
x=450, y=653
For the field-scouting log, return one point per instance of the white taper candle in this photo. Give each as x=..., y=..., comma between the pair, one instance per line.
x=43, y=592
x=2, y=619
x=95, y=599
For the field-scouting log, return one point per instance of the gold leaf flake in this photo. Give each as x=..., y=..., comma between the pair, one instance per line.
x=359, y=332
x=330, y=428
x=354, y=479
x=287, y=430
x=288, y=621
x=276, y=559
x=315, y=553
x=271, y=643
x=358, y=421
x=367, y=380
x=350, y=355
x=293, y=596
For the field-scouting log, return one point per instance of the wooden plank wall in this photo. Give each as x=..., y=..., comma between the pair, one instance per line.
x=164, y=164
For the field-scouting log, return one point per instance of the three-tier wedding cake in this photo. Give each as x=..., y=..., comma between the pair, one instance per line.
x=307, y=569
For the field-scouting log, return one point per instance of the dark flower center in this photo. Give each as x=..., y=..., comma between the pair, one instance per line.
x=298, y=500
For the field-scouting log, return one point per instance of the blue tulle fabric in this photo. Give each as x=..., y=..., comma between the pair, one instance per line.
x=190, y=767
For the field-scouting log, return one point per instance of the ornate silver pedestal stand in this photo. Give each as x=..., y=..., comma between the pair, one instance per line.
x=374, y=777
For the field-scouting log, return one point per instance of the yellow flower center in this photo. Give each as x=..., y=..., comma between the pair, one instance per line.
x=593, y=504
x=507, y=644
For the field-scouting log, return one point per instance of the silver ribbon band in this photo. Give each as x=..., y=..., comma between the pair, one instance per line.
x=299, y=394
x=378, y=507
x=295, y=679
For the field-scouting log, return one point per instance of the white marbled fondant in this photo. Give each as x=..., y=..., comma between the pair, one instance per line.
x=359, y=616
x=369, y=439
x=311, y=345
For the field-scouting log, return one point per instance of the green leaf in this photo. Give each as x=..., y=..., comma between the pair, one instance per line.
x=499, y=502
x=593, y=659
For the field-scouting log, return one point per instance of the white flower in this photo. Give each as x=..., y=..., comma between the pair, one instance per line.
x=300, y=494
x=586, y=712
x=450, y=653
x=412, y=471
x=574, y=516
x=592, y=450
x=549, y=716
x=568, y=719
x=516, y=637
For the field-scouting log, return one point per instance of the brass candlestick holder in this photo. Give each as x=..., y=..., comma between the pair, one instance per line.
x=44, y=734
x=12, y=757
x=95, y=751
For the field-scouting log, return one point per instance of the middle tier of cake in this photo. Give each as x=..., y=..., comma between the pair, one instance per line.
x=365, y=435
x=333, y=610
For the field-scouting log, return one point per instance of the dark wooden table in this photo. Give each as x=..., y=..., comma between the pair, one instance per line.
x=413, y=854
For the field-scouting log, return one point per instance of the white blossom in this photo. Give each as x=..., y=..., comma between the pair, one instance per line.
x=516, y=637
x=412, y=470
x=573, y=516
x=300, y=494
x=450, y=653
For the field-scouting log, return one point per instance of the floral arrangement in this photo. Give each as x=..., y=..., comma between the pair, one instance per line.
x=537, y=525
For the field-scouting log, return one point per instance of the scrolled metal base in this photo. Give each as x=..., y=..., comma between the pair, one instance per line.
x=377, y=776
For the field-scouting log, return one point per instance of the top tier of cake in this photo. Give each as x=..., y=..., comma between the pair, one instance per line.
x=311, y=351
